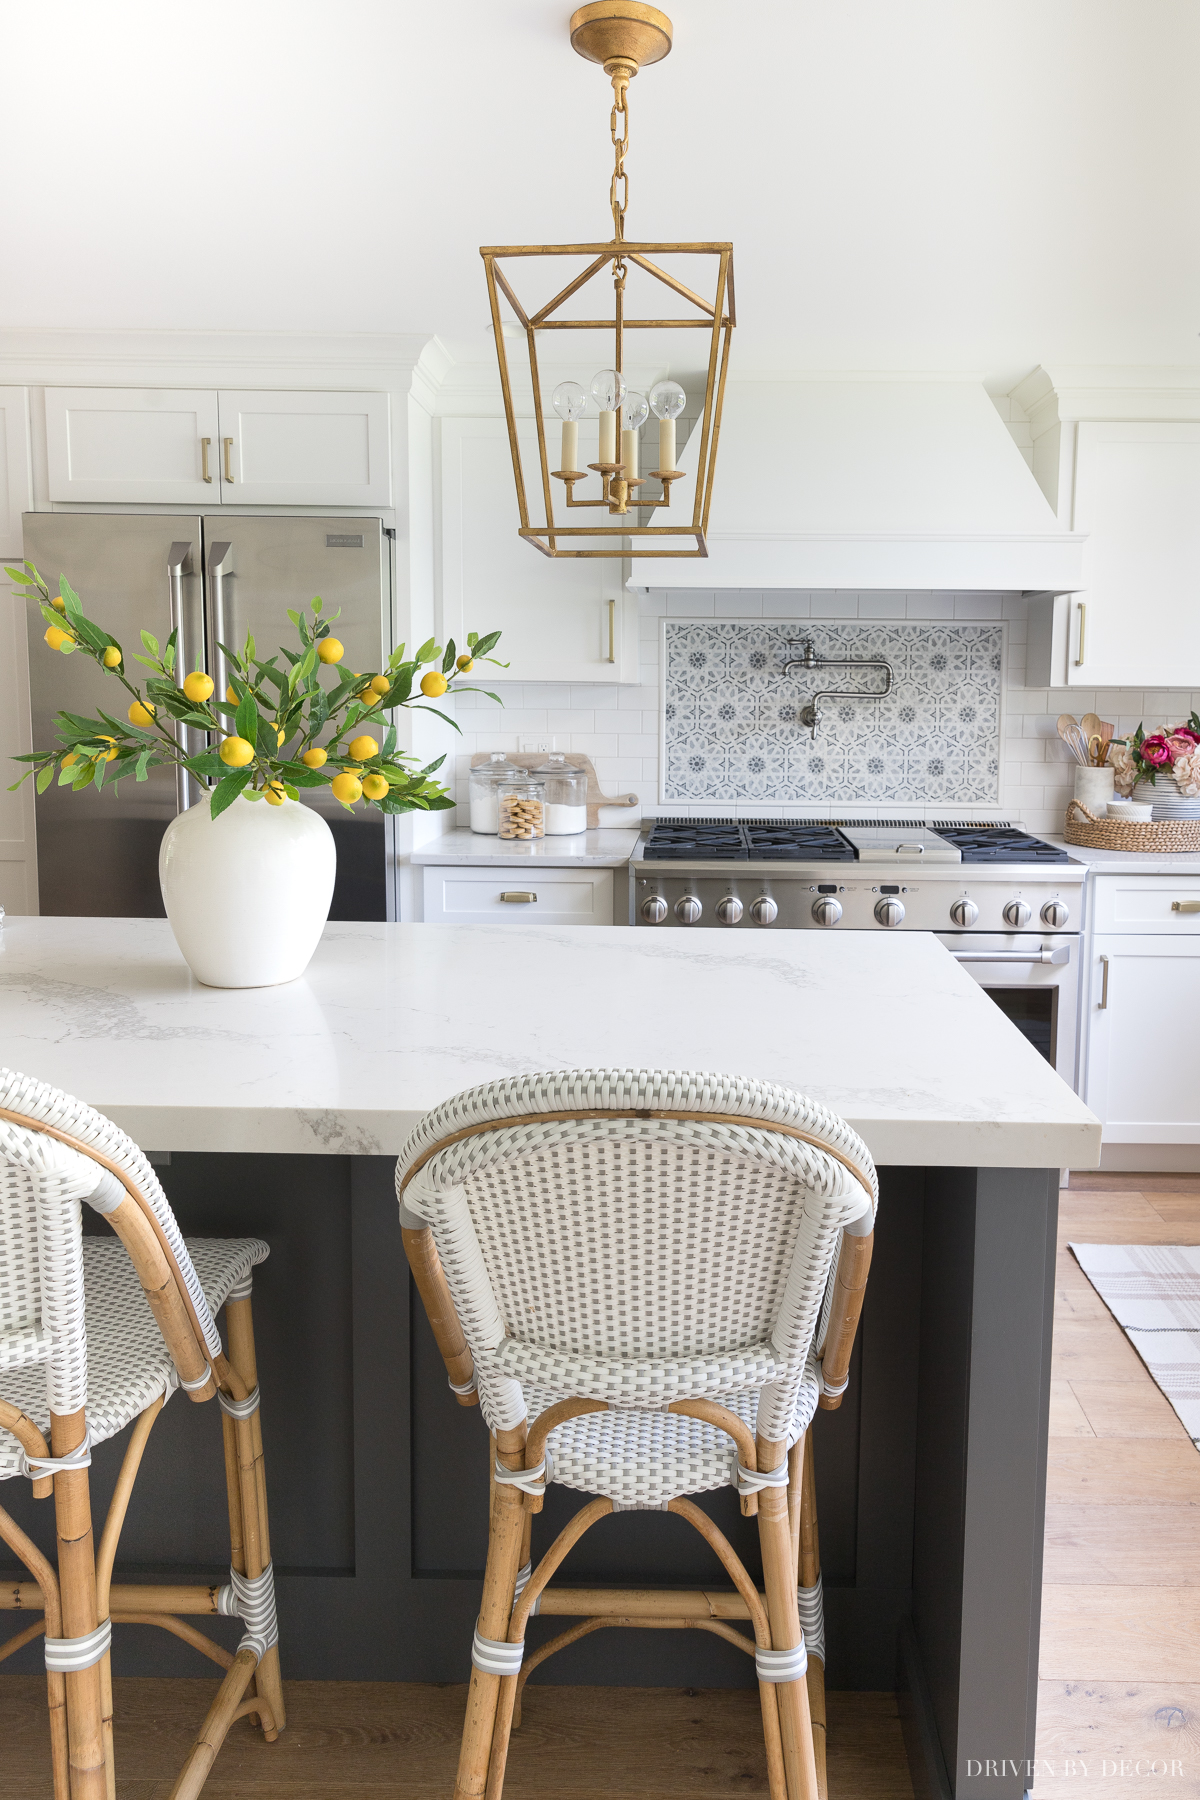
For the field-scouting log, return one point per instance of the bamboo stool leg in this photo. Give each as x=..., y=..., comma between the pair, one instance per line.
x=809, y=1575
x=221, y=1714
x=239, y=1326
x=118, y=1507
x=506, y=1536
x=77, y=1589
x=779, y=1580
x=56, y=1697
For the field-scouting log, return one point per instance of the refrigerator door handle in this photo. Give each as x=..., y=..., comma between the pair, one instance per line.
x=220, y=560
x=178, y=565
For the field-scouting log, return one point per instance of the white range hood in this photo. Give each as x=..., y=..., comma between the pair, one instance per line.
x=869, y=483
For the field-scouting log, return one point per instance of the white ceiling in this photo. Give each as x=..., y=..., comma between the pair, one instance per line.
x=969, y=185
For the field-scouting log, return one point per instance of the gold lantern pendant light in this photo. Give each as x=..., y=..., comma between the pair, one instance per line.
x=623, y=36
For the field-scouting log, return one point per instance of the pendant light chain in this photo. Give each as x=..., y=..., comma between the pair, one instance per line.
x=620, y=146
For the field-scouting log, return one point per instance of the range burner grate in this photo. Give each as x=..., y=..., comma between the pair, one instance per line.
x=999, y=844
x=751, y=840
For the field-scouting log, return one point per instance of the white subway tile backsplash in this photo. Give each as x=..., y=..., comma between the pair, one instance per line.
x=619, y=726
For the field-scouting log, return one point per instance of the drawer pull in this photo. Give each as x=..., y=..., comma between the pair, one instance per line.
x=522, y=899
x=1188, y=906
x=1104, y=989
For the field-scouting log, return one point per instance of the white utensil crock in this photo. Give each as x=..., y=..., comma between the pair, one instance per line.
x=248, y=893
x=1094, y=788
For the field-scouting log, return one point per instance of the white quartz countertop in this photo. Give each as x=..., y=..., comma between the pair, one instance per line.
x=1132, y=862
x=389, y=1020
x=605, y=849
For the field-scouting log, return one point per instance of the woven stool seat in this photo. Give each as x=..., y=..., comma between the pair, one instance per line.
x=644, y=1459
x=128, y=1363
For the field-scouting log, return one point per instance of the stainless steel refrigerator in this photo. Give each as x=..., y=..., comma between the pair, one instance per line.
x=210, y=578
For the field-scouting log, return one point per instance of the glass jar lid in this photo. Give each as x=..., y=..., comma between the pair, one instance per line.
x=498, y=768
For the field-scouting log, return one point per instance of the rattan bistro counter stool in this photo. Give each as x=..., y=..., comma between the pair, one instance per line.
x=82, y=1354
x=649, y=1282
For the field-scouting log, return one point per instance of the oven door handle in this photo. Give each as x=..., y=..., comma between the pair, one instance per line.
x=1061, y=954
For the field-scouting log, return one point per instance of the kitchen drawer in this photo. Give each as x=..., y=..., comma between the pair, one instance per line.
x=475, y=896
x=1146, y=903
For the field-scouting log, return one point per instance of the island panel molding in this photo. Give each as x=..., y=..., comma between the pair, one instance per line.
x=731, y=717
x=391, y=1020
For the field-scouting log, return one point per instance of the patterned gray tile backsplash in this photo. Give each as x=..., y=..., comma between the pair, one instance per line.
x=732, y=731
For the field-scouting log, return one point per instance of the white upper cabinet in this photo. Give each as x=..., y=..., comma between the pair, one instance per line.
x=563, y=619
x=16, y=495
x=178, y=446
x=145, y=445
x=305, y=449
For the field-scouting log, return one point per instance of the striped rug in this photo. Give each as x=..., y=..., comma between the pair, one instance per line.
x=1153, y=1292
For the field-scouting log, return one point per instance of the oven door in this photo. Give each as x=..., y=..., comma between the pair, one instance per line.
x=1034, y=980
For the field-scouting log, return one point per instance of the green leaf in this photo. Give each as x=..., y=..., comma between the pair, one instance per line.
x=44, y=778
x=427, y=651
x=472, y=639
x=143, y=762
x=69, y=598
x=149, y=641
x=227, y=791
x=448, y=659
x=317, y=604
x=19, y=575
x=389, y=740
x=234, y=661
x=246, y=721
x=293, y=615
x=440, y=715
x=481, y=646
x=85, y=775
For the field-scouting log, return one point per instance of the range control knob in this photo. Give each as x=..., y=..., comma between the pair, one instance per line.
x=764, y=910
x=827, y=910
x=729, y=910
x=654, y=910
x=889, y=911
x=1055, y=913
x=1017, y=914
x=964, y=912
x=688, y=909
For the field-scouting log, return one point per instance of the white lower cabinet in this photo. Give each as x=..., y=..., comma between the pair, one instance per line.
x=1141, y=1005
x=521, y=896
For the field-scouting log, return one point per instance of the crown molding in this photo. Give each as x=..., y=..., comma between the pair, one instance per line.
x=1063, y=393
x=366, y=361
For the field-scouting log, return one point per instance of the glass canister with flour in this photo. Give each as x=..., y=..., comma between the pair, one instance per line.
x=484, y=791
x=566, y=796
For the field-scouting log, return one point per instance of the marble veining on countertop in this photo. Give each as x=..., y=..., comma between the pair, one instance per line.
x=390, y=1020
x=603, y=849
x=1132, y=862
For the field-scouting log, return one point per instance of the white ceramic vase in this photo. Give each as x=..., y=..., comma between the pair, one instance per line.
x=248, y=893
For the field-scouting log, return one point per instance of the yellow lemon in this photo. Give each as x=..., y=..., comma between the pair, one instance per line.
x=68, y=760
x=375, y=786
x=112, y=657
x=273, y=793
x=236, y=752
x=106, y=755
x=198, y=686
x=363, y=748
x=231, y=696
x=280, y=734
x=433, y=684
x=59, y=604
x=314, y=758
x=381, y=684
x=464, y=663
x=346, y=787
x=56, y=636
x=141, y=714
x=330, y=651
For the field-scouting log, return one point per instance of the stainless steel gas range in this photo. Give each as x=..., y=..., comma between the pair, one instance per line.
x=1005, y=904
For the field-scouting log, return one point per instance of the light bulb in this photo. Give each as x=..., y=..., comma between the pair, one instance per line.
x=608, y=390
x=667, y=399
x=635, y=410
x=569, y=401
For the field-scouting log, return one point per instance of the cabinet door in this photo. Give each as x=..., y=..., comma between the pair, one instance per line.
x=1137, y=493
x=292, y=449
x=563, y=619
x=141, y=445
x=536, y=896
x=1143, y=1002
x=16, y=491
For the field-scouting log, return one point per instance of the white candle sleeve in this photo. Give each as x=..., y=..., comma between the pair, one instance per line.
x=666, y=443
x=608, y=438
x=629, y=454
x=570, y=445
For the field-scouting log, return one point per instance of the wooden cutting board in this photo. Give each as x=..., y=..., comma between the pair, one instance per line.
x=532, y=759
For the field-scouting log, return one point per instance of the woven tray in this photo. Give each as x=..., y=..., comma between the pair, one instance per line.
x=1129, y=834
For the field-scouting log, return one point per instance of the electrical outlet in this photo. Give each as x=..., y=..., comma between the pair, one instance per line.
x=534, y=744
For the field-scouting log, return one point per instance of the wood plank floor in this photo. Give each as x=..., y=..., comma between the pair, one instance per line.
x=1120, y=1659
x=1120, y=1638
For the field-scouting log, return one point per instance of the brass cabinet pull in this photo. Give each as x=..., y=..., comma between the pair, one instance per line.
x=204, y=469
x=523, y=899
x=1185, y=906
x=228, y=445
x=1082, y=632
x=1104, y=988
x=612, y=631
